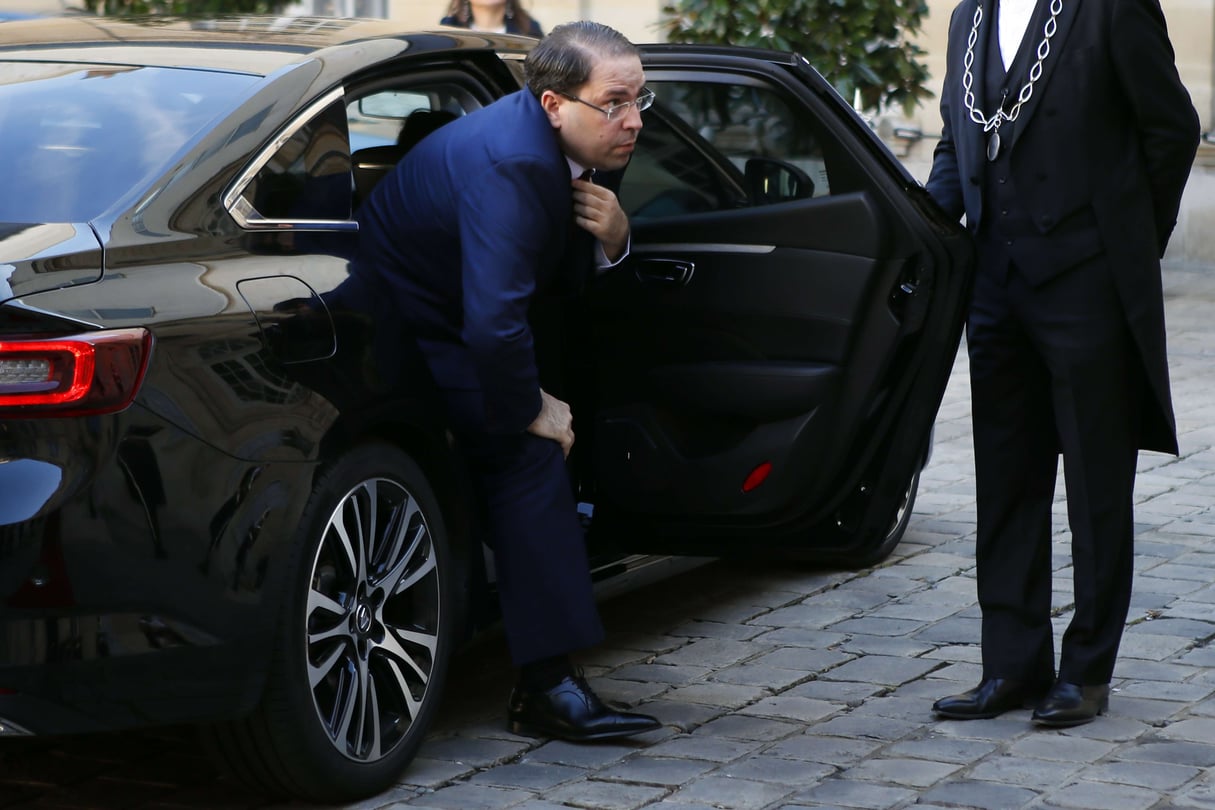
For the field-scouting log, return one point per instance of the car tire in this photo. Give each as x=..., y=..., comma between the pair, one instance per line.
x=898, y=525
x=364, y=639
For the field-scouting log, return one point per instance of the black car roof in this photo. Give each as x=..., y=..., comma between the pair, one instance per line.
x=247, y=44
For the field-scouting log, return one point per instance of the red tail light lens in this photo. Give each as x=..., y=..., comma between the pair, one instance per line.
x=91, y=373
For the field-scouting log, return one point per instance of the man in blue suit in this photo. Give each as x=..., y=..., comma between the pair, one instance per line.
x=1068, y=137
x=474, y=223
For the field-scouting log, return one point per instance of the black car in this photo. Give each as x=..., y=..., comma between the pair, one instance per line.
x=224, y=501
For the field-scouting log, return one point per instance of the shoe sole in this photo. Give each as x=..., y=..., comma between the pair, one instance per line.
x=1047, y=722
x=1028, y=703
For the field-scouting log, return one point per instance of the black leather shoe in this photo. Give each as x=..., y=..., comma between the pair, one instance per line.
x=571, y=711
x=1068, y=704
x=991, y=698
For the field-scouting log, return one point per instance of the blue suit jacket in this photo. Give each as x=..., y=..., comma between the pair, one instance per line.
x=462, y=234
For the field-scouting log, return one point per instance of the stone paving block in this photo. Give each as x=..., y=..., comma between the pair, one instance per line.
x=837, y=751
x=914, y=773
x=1167, y=690
x=702, y=629
x=656, y=771
x=806, y=710
x=762, y=675
x=1199, y=657
x=804, y=659
x=910, y=708
x=860, y=644
x=1199, y=631
x=628, y=693
x=954, y=630
x=731, y=794
x=877, y=627
x=662, y=673
x=977, y=795
x=431, y=773
x=1200, y=754
x=1137, y=669
x=599, y=755
x=725, y=695
x=693, y=746
x=1151, y=712
x=841, y=793
x=1153, y=647
x=1200, y=730
x=800, y=637
x=464, y=796
x=751, y=728
x=1037, y=774
x=1097, y=796
x=883, y=669
x=1005, y=727
x=955, y=654
x=474, y=751
x=764, y=768
x=682, y=715
x=1199, y=796
x=842, y=693
x=813, y=616
x=1151, y=582
x=713, y=652
x=1159, y=776
x=533, y=776
x=595, y=795
x=941, y=749
x=871, y=728
x=1060, y=748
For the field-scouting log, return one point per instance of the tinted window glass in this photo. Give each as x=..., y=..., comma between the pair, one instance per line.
x=309, y=176
x=75, y=138
x=713, y=145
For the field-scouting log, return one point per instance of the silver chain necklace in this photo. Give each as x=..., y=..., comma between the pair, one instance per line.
x=992, y=123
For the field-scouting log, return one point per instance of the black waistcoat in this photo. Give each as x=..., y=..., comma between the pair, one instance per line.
x=1005, y=218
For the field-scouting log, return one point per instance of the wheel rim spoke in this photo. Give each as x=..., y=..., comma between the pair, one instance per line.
x=372, y=618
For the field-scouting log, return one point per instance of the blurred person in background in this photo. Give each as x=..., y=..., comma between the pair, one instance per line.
x=495, y=16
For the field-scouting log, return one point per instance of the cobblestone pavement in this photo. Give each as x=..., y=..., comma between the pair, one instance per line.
x=789, y=687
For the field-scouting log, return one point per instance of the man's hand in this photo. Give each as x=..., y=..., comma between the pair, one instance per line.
x=597, y=210
x=555, y=422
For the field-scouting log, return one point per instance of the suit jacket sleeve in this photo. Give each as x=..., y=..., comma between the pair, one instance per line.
x=944, y=180
x=1165, y=117
x=508, y=222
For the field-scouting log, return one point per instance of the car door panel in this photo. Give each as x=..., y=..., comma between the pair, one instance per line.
x=753, y=362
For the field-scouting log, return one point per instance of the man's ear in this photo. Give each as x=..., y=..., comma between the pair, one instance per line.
x=552, y=103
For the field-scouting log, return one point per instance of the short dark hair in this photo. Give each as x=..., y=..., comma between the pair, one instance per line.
x=563, y=60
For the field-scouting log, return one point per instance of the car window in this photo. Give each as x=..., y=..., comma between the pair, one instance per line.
x=76, y=138
x=330, y=159
x=308, y=177
x=718, y=143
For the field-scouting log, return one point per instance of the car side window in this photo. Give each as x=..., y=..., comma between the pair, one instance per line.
x=719, y=143
x=308, y=176
x=385, y=122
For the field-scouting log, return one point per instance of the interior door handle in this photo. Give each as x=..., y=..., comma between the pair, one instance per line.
x=665, y=272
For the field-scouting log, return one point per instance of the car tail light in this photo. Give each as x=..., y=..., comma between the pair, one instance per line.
x=90, y=373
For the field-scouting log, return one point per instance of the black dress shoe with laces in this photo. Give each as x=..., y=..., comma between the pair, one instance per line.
x=1069, y=704
x=991, y=698
x=571, y=711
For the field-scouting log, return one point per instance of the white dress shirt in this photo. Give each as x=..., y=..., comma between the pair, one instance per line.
x=1014, y=19
x=601, y=260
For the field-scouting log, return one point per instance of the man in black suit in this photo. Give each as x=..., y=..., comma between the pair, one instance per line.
x=1067, y=140
x=479, y=221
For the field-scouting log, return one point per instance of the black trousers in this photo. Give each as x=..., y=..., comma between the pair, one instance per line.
x=1053, y=369
x=531, y=522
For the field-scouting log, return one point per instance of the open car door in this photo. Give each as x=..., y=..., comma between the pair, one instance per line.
x=769, y=362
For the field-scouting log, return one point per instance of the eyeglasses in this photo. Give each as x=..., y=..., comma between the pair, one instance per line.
x=642, y=102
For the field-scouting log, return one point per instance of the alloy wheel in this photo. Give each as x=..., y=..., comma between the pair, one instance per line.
x=373, y=619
